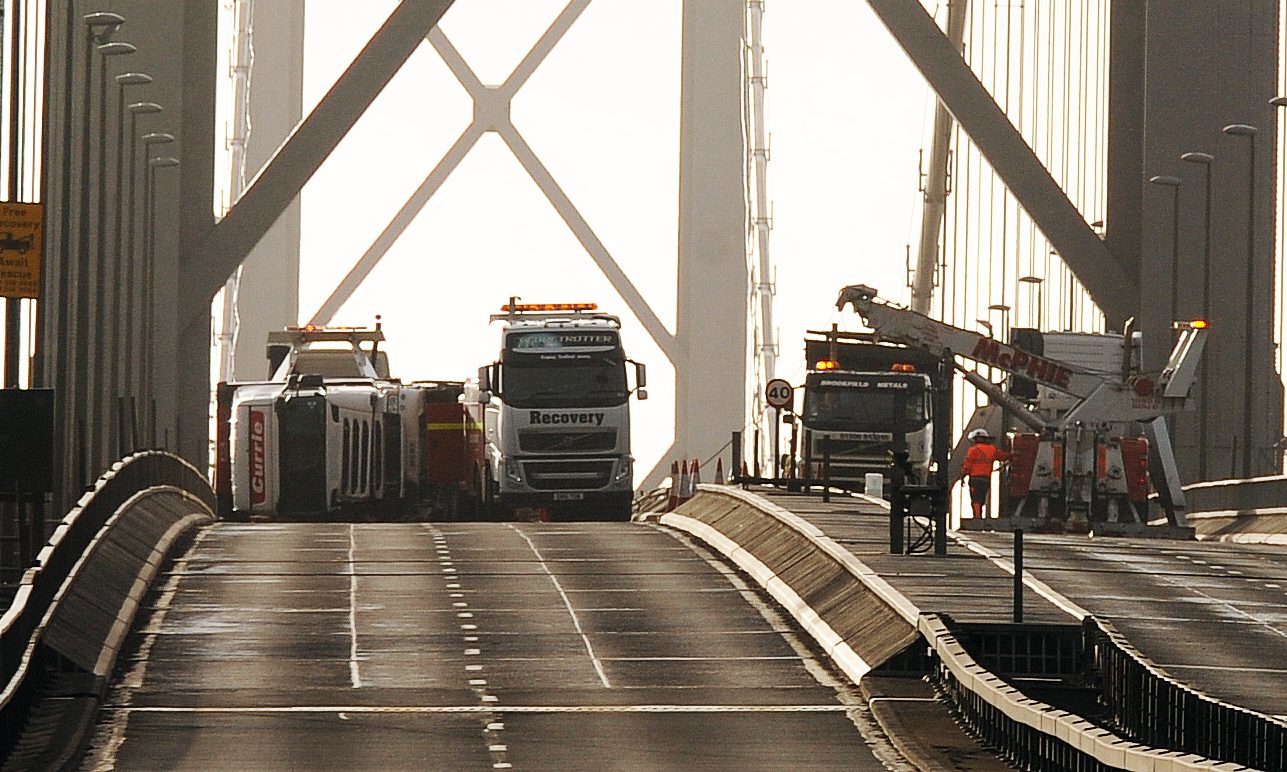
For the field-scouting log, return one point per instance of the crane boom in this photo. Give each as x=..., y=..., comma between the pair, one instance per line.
x=1103, y=397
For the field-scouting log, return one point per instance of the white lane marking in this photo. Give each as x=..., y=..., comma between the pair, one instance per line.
x=465, y=614
x=497, y=748
x=490, y=698
x=472, y=652
x=469, y=627
x=467, y=709
x=344, y=716
x=478, y=682
x=1227, y=604
x=473, y=667
x=576, y=622
x=495, y=726
x=354, y=676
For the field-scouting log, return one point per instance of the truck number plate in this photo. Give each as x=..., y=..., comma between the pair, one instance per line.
x=569, y=496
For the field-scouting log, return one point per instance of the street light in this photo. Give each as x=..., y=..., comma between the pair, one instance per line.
x=1035, y=282
x=1174, y=184
x=106, y=268
x=1205, y=160
x=149, y=278
x=1005, y=315
x=1250, y=132
x=135, y=110
x=122, y=377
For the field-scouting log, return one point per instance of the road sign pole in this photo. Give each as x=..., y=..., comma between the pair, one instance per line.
x=12, y=341
x=777, y=445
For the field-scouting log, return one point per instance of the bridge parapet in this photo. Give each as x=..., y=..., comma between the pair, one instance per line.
x=1250, y=511
x=862, y=620
x=73, y=608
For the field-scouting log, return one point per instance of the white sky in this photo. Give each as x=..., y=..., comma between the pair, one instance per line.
x=846, y=111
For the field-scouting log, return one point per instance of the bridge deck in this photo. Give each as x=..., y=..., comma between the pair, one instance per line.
x=469, y=646
x=1211, y=614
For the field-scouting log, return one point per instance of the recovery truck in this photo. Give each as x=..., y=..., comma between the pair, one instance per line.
x=1084, y=462
x=549, y=422
x=864, y=401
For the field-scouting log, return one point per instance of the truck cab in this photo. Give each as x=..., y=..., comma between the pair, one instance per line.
x=550, y=419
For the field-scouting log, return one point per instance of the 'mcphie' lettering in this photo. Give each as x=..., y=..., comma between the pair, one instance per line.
x=1017, y=361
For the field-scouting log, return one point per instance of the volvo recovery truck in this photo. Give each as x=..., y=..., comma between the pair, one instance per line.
x=549, y=421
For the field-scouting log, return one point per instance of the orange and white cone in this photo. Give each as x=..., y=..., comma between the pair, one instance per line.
x=685, y=482
x=719, y=471
x=697, y=477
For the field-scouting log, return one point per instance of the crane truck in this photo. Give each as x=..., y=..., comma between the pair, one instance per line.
x=1083, y=462
x=548, y=424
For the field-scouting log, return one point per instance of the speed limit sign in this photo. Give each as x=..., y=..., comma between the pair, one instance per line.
x=778, y=394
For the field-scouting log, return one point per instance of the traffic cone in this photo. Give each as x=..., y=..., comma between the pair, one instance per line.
x=685, y=482
x=672, y=500
x=719, y=471
x=697, y=477
x=745, y=471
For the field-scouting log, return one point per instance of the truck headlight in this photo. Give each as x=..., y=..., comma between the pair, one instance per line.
x=513, y=471
x=624, y=469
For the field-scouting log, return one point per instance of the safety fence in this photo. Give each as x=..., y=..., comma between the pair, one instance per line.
x=1155, y=709
x=27, y=662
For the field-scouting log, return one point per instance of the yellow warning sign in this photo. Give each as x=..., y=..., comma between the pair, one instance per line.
x=20, y=228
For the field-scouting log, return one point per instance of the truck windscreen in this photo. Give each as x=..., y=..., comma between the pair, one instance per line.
x=564, y=380
x=864, y=405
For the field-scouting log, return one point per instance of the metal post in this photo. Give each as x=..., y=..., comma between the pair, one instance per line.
x=777, y=445
x=1018, y=575
x=1248, y=310
x=1205, y=159
x=735, y=468
x=13, y=306
x=755, y=456
x=826, y=468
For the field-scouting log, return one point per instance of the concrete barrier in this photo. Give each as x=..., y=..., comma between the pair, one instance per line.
x=860, y=621
x=60, y=638
x=1252, y=511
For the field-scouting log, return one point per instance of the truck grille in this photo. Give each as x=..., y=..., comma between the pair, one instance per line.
x=535, y=441
x=567, y=475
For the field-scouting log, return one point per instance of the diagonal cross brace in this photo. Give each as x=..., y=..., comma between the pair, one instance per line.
x=209, y=265
x=1113, y=286
x=492, y=113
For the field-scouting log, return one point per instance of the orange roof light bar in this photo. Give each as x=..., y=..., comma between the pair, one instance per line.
x=826, y=364
x=903, y=367
x=521, y=307
x=1196, y=324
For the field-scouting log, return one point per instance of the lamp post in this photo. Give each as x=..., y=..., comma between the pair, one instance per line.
x=106, y=270
x=1250, y=132
x=1174, y=184
x=132, y=258
x=149, y=281
x=1205, y=160
x=1005, y=316
x=99, y=29
x=121, y=374
x=1035, y=282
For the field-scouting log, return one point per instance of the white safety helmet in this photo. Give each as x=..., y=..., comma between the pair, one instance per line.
x=979, y=434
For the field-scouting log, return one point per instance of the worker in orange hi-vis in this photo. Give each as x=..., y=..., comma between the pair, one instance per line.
x=979, y=459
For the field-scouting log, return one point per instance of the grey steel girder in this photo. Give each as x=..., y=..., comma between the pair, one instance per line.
x=309, y=145
x=1112, y=285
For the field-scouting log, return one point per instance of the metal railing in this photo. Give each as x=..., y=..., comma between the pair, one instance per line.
x=24, y=663
x=1155, y=709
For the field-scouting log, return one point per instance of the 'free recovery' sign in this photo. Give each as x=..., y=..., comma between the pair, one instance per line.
x=20, y=249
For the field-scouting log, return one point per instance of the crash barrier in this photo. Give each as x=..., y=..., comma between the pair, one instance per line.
x=1155, y=709
x=861, y=621
x=75, y=604
x=1237, y=495
x=1029, y=733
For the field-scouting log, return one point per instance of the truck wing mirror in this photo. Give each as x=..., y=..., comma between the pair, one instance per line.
x=641, y=376
x=485, y=378
x=642, y=394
